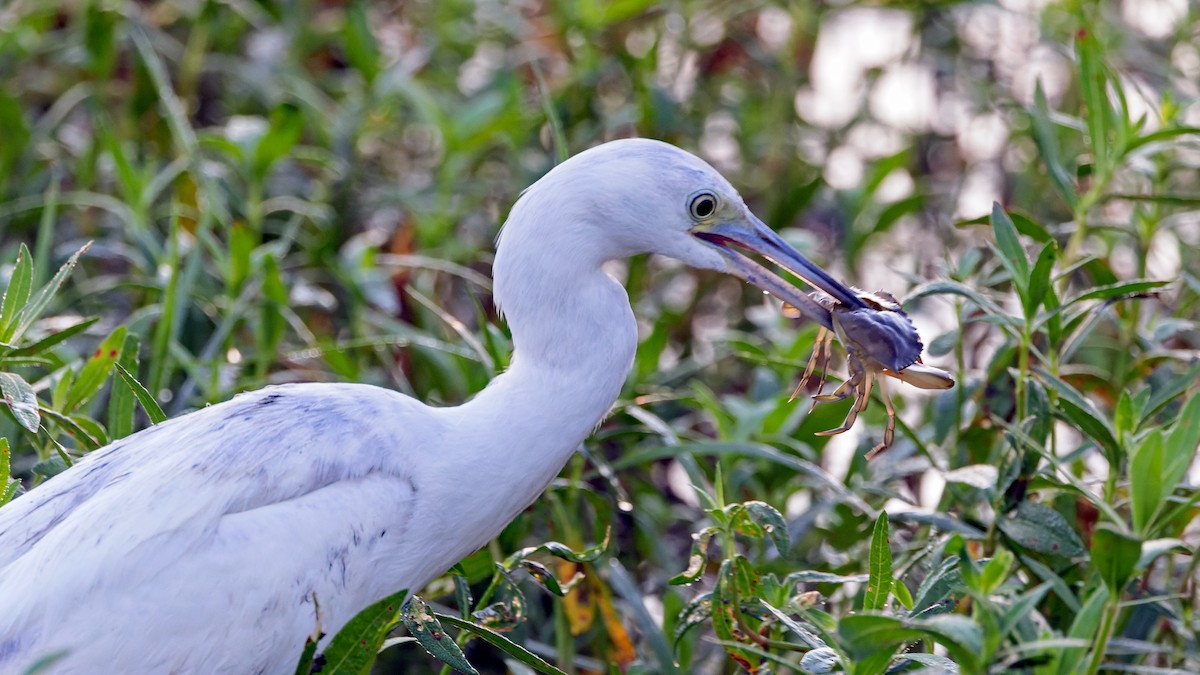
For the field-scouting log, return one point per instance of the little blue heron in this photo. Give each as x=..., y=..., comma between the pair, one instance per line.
x=197, y=545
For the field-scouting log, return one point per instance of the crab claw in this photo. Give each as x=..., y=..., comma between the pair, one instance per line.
x=923, y=376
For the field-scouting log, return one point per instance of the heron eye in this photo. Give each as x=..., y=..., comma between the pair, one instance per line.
x=703, y=205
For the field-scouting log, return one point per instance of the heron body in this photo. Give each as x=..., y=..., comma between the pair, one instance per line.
x=199, y=544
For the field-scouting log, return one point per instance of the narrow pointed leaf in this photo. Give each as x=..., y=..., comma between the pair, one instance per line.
x=153, y=411
x=44, y=344
x=16, y=294
x=1010, y=247
x=121, y=401
x=1146, y=485
x=502, y=643
x=354, y=648
x=810, y=639
x=96, y=371
x=1079, y=411
x=1039, y=280
x=1047, y=144
x=879, y=585
x=1181, y=443
x=32, y=311
x=1134, y=287
x=10, y=485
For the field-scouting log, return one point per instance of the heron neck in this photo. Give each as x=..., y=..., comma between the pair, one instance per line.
x=573, y=348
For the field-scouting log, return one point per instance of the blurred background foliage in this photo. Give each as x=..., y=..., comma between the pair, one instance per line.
x=309, y=191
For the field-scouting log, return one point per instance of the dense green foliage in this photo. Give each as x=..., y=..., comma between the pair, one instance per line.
x=280, y=192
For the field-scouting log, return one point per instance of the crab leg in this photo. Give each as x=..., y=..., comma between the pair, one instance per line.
x=840, y=393
x=812, y=363
x=849, y=422
x=864, y=391
x=889, y=431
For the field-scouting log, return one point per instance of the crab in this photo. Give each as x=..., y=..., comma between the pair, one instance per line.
x=879, y=339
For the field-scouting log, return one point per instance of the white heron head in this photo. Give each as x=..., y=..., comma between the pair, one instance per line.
x=636, y=196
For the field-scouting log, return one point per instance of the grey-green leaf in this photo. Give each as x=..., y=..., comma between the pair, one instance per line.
x=1040, y=528
x=423, y=624
x=1010, y=247
x=21, y=400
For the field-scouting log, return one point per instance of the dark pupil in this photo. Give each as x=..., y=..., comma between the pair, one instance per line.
x=703, y=207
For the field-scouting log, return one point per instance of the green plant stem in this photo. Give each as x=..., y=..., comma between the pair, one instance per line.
x=1112, y=610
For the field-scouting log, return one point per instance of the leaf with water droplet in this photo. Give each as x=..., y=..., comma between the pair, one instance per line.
x=696, y=558
x=21, y=401
x=425, y=627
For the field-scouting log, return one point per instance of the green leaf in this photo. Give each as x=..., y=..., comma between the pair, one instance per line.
x=696, y=612
x=96, y=371
x=1084, y=627
x=1022, y=606
x=765, y=520
x=354, y=648
x=286, y=126
x=502, y=643
x=937, y=588
x=962, y=637
x=86, y=431
x=1132, y=288
x=1164, y=394
x=1039, y=280
x=995, y=571
x=361, y=49
x=1047, y=145
x=815, y=577
x=307, y=655
x=984, y=303
x=1040, y=528
x=153, y=411
x=1181, y=443
x=1077, y=410
x=44, y=345
x=903, y=595
x=806, y=636
x=736, y=581
x=547, y=580
x=880, y=582
x=49, y=468
x=32, y=310
x=1147, y=489
x=120, y=402
x=1013, y=254
x=1093, y=83
x=11, y=485
x=21, y=401
x=867, y=634
x=17, y=294
x=558, y=550
x=425, y=627
x=1115, y=555
x=697, y=558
